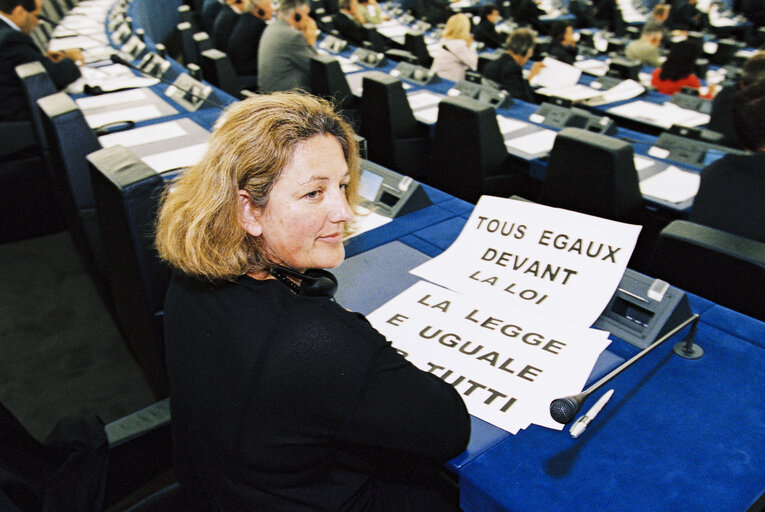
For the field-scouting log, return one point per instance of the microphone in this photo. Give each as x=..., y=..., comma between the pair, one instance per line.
x=563, y=410
x=117, y=59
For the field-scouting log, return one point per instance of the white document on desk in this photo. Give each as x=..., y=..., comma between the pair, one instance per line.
x=642, y=162
x=592, y=66
x=672, y=184
x=135, y=114
x=536, y=143
x=143, y=135
x=176, y=158
x=664, y=115
x=509, y=125
x=625, y=90
x=423, y=99
x=556, y=74
x=115, y=98
x=84, y=43
x=575, y=93
x=428, y=115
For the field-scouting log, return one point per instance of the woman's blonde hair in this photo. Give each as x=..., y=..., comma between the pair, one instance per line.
x=198, y=227
x=457, y=27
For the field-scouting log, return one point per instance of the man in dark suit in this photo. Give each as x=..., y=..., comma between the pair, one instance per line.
x=730, y=193
x=528, y=13
x=686, y=16
x=485, y=32
x=350, y=22
x=225, y=23
x=245, y=39
x=721, y=118
x=18, y=18
x=508, y=69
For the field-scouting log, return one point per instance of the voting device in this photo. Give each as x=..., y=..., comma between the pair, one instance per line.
x=188, y=92
x=481, y=90
x=642, y=309
x=561, y=116
x=413, y=73
x=694, y=146
x=389, y=193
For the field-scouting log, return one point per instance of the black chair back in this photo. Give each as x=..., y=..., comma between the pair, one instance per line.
x=71, y=140
x=414, y=42
x=127, y=193
x=36, y=84
x=218, y=70
x=592, y=173
x=328, y=80
x=189, y=51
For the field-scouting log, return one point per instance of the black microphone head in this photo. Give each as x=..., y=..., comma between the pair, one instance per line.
x=563, y=410
x=116, y=59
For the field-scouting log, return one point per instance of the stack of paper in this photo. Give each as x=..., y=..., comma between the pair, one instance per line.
x=664, y=115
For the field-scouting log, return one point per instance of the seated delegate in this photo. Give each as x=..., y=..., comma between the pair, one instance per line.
x=678, y=70
x=563, y=46
x=18, y=19
x=456, y=54
x=507, y=70
x=730, y=196
x=281, y=398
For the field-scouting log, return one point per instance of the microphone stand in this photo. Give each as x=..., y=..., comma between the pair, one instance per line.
x=563, y=410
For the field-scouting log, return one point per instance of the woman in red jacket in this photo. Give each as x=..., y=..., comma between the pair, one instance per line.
x=677, y=70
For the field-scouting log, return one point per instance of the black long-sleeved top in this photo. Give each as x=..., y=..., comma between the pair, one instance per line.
x=18, y=48
x=562, y=53
x=291, y=403
x=509, y=75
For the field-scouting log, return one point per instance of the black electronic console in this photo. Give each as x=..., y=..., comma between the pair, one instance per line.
x=333, y=44
x=389, y=193
x=606, y=82
x=642, y=309
x=559, y=116
x=695, y=146
x=413, y=73
x=485, y=91
x=189, y=92
x=692, y=102
x=367, y=57
x=154, y=65
x=622, y=67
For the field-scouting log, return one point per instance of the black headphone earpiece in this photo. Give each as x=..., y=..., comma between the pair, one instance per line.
x=298, y=17
x=238, y=2
x=314, y=282
x=261, y=12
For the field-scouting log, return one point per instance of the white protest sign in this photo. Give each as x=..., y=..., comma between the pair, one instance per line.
x=536, y=260
x=507, y=368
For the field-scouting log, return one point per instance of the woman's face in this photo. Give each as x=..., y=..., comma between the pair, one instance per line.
x=302, y=223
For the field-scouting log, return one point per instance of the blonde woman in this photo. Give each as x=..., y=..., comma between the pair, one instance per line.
x=281, y=398
x=456, y=54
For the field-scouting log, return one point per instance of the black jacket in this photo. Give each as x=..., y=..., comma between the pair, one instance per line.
x=509, y=75
x=562, y=53
x=485, y=33
x=224, y=26
x=18, y=48
x=244, y=42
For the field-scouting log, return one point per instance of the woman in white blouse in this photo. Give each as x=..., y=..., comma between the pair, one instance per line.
x=455, y=54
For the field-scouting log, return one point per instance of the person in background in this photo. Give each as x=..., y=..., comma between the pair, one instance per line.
x=563, y=46
x=281, y=398
x=730, y=196
x=584, y=10
x=433, y=11
x=245, y=39
x=349, y=21
x=286, y=47
x=456, y=54
x=18, y=19
x=659, y=14
x=678, y=70
x=508, y=69
x=687, y=17
x=372, y=13
x=646, y=49
x=527, y=14
x=225, y=22
x=485, y=32
x=721, y=118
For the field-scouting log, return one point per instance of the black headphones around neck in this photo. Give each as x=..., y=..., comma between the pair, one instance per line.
x=314, y=282
x=298, y=17
x=261, y=12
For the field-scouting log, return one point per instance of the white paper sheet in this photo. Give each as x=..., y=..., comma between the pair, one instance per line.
x=367, y=220
x=592, y=67
x=642, y=162
x=494, y=357
x=535, y=260
x=128, y=114
x=76, y=42
x=115, y=98
x=510, y=125
x=143, y=135
x=423, y=99
x=660, y=115
x=534, y=143
x=182, y=157
x=556, y=74
x=427, y=115
x=672, y=184
x=575, y=93
x=625, y=90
